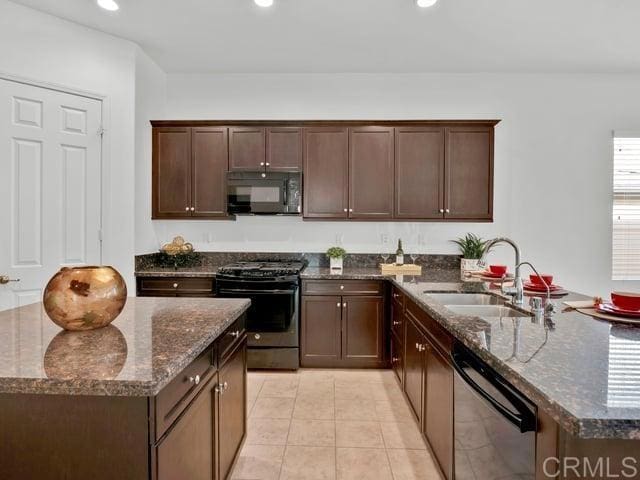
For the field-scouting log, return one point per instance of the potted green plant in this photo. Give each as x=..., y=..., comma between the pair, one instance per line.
x=336, y=256
x=472, y=248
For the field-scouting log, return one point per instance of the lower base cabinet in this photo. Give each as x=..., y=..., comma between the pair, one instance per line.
x=414, y=367
x=232, y=403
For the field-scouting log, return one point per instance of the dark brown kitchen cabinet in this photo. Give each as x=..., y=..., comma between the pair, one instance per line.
x=419, y=173
x=284, y=149
x=187, y=450
x=326, y=173
x=232, y=403
x=469, y=173
x=210, y=159
x=438, y=421
x=345, y=330
x=247, y=150
x=397, y=360
x=320, y=338
x=414, y=367
x=189, y=172
x=371, y=172
x=171, y=172
x=362, y=330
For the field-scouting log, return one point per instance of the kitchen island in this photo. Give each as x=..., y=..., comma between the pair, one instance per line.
x=147, y=397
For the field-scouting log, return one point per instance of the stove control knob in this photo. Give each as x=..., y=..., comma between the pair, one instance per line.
x=257, y=336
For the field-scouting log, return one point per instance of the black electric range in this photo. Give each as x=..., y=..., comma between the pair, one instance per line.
x=273, y=318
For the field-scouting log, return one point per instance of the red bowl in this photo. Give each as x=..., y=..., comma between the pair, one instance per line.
x=498, y=269
x=537, y=280
x=626, y=300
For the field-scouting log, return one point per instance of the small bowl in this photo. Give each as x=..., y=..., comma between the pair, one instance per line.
x=538, y=280
x=498, y=269
x=626, y=300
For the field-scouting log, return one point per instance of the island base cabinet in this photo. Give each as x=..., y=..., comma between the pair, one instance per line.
x=414, y=368
x=187, y=450
x=232, y=403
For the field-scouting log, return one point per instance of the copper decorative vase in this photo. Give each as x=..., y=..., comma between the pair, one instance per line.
x=85, y=298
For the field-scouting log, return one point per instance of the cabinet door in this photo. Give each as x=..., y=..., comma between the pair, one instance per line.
x=232, y=412
x=396, y=358
x=362, y=331
x=371, y=172
x=326, y=172
x=210, y=161
x=414, y=367
x=187, y=451
x=246, y=149
x=419, y=166
x=320, y=331
x=469, y=173
x=397, y=320
x=171, y=172
x=439, y=408
x=284, y=149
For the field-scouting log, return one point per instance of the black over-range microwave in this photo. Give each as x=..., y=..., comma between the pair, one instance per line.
x=264, y=193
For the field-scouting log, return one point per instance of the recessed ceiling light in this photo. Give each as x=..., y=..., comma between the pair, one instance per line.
x=263, y=3
x=426, y=3
x=110, y=5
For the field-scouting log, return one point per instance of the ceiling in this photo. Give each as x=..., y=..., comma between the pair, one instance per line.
x=298, y=36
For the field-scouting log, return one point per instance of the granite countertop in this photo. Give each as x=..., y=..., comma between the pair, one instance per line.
x=582, y=371
x=200, y=271
x=149, y=343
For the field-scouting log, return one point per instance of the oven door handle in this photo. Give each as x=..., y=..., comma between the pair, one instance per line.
x=524, y=420
x=256, y=292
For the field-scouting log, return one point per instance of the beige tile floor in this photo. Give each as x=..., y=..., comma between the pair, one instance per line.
x=331, y=425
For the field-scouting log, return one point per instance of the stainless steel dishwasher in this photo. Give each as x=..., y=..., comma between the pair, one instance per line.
x=494, y=424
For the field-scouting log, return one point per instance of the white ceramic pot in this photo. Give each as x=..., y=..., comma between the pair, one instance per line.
x=469, y=265
x=336, y=263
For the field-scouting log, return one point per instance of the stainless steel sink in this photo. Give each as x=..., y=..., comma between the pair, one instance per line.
x=485, y=311
x=466, y=299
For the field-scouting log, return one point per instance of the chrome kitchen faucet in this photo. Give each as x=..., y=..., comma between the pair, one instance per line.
x=517, y=291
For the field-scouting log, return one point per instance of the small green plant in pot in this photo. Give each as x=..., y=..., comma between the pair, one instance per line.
x=473, y=249
x=336, y=255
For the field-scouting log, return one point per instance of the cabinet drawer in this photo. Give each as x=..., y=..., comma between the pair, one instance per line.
x=234, y=334
x=437, y=333
x=178, y=286
x=173, y=398
x=398, y=297
x=345, y=287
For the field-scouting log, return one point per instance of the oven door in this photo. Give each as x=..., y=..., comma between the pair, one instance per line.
x=256, y=196
x=272, y=318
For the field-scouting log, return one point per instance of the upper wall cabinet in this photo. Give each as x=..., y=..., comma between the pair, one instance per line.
x=469, y=173
x=246, y=149
x=189, y=172
x=326, y=173
x=431, y=170
x=371, y=173
x=419, y=173
x=284, y=149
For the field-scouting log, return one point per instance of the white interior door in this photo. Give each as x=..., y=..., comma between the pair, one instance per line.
x=50, y=149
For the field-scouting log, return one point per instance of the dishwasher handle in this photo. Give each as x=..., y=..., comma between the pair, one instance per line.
x=524, y=420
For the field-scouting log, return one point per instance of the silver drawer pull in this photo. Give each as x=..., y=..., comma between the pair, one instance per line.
x=257, y=336
x=175, y=285
x=396, y=323
x=235, y=334
x=195, y=380
x=221, y=387
x=341, y=287
x=338, y=305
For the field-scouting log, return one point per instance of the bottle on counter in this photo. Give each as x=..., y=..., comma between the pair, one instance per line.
x=399, y=254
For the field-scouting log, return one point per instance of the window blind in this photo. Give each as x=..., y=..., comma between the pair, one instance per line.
x=626, y=206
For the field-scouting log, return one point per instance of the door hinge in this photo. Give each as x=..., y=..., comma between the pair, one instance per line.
x=100, y=235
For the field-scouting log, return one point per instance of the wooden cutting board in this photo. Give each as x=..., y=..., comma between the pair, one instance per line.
x=406, y=269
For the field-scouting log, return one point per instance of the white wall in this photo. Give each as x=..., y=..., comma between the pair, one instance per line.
x=553, y=156
x=47, y=49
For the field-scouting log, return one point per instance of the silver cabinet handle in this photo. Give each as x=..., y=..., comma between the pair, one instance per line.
x=418, y=346
x=187, y=209
x=193, y=209
x=396, y=323
x=268, y=164
x=344, y=305
x=346, y=210
x=257, y=336
x=235, y=334
x=262, y=164
x=447, y=211
x=195, y=379
x=396, y=295
x=175, y=285
x=442, y=210
x=351, y=209
x=341, y=287
x=395, y=359
x=221, y=387
x=338, y=304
